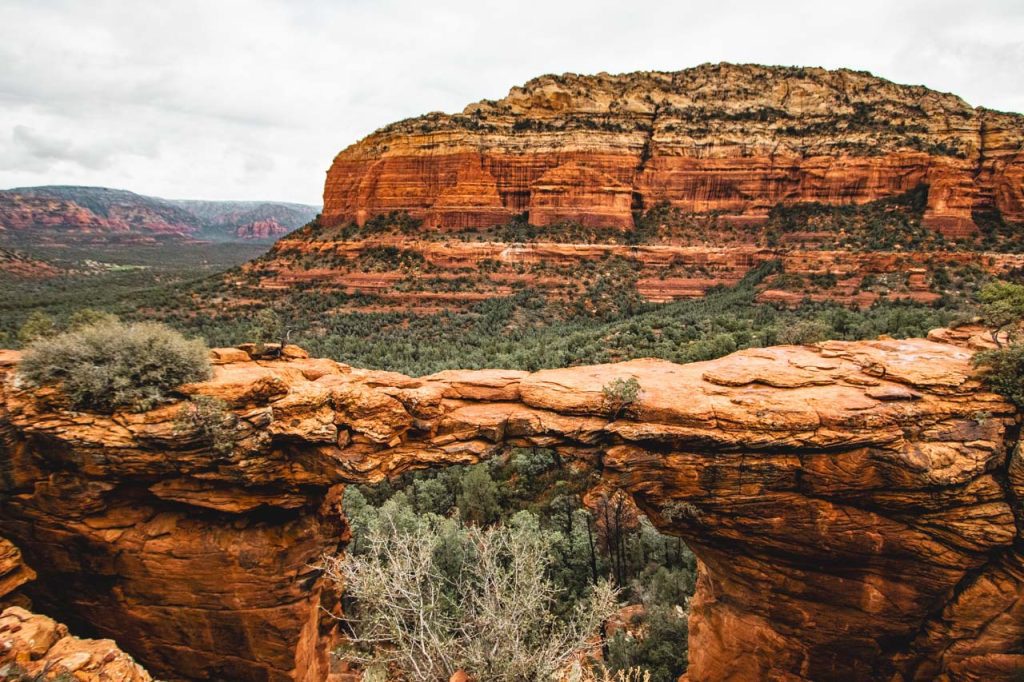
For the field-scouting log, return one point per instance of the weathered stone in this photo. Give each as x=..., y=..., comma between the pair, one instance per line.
x=13, y=572
x=852, y=504
x=44, y=650
x=719, y=137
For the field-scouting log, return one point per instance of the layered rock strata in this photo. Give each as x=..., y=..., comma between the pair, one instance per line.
x=687, y=177
x=727, y=138
x=426, y=275
x=855, y=506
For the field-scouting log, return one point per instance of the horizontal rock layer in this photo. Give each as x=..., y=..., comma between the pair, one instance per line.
x=735, y=139
x=852, y=504
x=429, y=275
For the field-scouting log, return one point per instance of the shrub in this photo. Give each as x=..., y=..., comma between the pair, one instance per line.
x=1004, y=371
x=619, y=394
x=664, y=634
x=112, y=365
x=600, y=673
x=87, y=317
x=209, y=419
x=37, y=326
x=805, y=332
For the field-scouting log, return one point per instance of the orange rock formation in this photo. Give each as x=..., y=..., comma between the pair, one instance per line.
x=664, y=272
x=40, y=648
x=855, y=506
x=14, y=573
x=43, y=650
x=724, y=144
x=737, y=139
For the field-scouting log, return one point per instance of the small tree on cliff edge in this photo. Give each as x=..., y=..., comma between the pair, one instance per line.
x=1003, y=307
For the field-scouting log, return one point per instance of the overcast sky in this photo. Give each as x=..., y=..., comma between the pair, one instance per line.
x=251, y=99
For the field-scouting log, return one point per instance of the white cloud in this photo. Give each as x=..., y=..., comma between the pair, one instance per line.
x=253, y=98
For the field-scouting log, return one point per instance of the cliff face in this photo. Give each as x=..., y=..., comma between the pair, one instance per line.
x=735, y=139
x=855, y=506
x=687, y=178
x=40, y=648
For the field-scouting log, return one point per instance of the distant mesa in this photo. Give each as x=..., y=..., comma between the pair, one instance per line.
x=725, y=138
x=97, y=214
x=674, y=182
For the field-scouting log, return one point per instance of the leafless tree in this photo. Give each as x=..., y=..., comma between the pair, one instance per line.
x=435, y=598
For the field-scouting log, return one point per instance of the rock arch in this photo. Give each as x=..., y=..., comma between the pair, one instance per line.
x=855, y=506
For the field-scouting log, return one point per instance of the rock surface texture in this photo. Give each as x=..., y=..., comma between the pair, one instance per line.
x=41, y=649
x=736, y=139
x=855, y=506
x=38, y=648
x=14, y=573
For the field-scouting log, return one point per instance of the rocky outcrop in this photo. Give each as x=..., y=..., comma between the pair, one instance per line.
x=34, y=647
x=261, y=229
x=17, y=264
x=14, y=573
x=733, y=139
x=855, y=506
x=38, y=648
x=687, y=178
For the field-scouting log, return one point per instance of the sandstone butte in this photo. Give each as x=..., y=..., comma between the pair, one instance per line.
x=738, y=139
x=725, y=144
x=855, y=506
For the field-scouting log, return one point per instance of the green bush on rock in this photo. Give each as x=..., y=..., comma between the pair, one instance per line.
x=618, y=394
x=1004, y=371
x=210, y=420
x=113, y=365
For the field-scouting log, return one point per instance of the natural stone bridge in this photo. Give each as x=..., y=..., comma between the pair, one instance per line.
x=855, y=507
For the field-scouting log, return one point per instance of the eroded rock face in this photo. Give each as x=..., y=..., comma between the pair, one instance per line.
x=736, y=139
x=855, y=506
x=14, y=573
x=663, y=272
x=39, y=648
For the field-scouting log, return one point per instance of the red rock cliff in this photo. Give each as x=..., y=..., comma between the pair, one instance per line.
x=40, y=648
x=855, y=506
x=735, y=139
